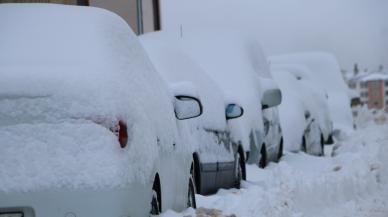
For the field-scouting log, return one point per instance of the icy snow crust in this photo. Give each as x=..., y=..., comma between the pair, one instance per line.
x=60, y=68
x=186, y=77
x=325, y=73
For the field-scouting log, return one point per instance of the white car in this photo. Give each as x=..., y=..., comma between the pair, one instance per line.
x=228, y=59
x=87, y=126
x=325, y=73
x=299, y=116
x=317, y=98
x=218, y=161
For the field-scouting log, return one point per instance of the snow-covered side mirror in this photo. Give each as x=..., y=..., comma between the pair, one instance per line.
x=233, y=111
x=187, y=107
x=271, y=98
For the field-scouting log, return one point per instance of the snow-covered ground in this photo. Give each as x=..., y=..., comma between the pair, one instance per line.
x=351, y=180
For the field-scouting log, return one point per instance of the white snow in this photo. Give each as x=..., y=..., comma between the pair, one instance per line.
x=185, y=76
x=374, y=77
x=84, y=64
x=326, y=74
x=353, y=182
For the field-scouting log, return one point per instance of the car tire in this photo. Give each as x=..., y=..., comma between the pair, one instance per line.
x=280, y=152
x=191, y=202
x=304, y=145
x=263, y=158
x=322, y=146
x=238, y=172
x=155, y=206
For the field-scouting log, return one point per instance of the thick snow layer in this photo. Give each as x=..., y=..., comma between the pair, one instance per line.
x=326, y=74
x=375, y=77
x=292, y=109
x=185, y=76
x=352, y=183
x=235, y=63
x=63, y=63
x=313, y=96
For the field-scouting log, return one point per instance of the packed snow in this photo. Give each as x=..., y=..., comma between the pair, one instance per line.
x=351, y=180
x=50, y=101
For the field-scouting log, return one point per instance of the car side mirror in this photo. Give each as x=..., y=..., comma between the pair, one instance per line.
x=271, y=98
x=307, y=115
x=233, y=111
x=187, y=107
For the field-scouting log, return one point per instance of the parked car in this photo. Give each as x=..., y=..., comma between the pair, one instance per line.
x=325, y=73
x=317, y=96
x=228, y=59
x=87, y=126
x=300, y=116
x=218, y=161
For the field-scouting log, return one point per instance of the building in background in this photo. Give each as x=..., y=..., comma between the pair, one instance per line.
x=142, y=15
x=373, y=89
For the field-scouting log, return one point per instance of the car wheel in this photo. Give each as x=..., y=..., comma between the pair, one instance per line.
x=238, y=172
x=280, y=152
x=191, y=194
x=155, y=206
x=322, y=146
x=304, y=145
x=263, y=158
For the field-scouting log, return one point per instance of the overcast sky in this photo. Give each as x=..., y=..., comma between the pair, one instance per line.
x=354, y=30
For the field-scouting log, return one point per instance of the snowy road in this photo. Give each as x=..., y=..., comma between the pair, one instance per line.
x=352, y=183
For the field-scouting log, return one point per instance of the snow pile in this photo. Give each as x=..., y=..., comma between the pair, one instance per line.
x=352, y=183
x=59, y=64
x=325, y=73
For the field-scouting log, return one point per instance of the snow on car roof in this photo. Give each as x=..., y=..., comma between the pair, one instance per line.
x=60, y=62
x=177, y=67
x=325, y=73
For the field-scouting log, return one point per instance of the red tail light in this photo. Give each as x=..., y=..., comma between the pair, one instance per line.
x=118, y=128
x=122, y=134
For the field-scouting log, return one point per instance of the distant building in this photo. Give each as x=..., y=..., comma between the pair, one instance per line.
x=142, y=15
x=373, y=89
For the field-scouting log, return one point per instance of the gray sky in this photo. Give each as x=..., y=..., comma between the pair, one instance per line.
x=354, y=30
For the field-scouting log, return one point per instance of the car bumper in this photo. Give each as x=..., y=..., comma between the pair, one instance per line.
x=134, y=201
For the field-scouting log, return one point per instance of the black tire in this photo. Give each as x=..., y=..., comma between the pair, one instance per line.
x=322, y=146
x=155, y=205
x=263, y=158
x=238, y=172
x=191, y=202
x=304, y=145
x=280, y=152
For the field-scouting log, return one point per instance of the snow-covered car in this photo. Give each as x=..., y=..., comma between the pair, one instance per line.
x=231, y=61
x=87, y=126
x=318, y=98
x=325, y=73
x=218, y=162
x=299, y=114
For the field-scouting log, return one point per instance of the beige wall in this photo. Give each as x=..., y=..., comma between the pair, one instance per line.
x=127, y=9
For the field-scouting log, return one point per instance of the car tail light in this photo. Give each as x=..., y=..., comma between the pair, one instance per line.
x=119, y=128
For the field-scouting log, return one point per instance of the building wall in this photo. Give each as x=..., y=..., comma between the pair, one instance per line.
x=376, y=95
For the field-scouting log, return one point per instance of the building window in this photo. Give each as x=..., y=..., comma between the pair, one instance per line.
x=375, y=88
x=386, y=92
x=386, y=83
x=67, y=2
x=363, y=84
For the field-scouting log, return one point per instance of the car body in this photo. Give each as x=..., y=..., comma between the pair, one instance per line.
x=299, y=114
x=87, y=126
x=317, y=96
x=325, y=73
x=218, y=161
x=227, y=58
